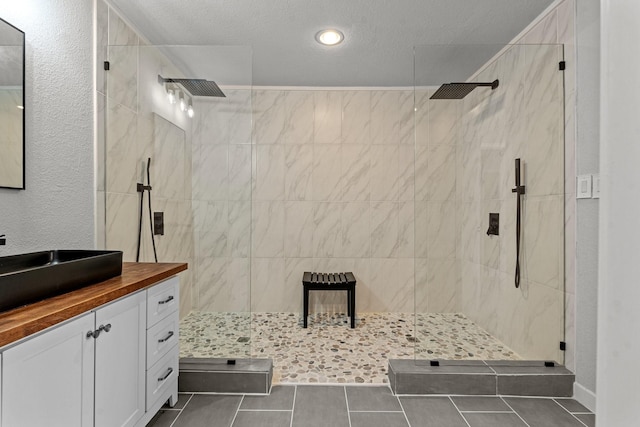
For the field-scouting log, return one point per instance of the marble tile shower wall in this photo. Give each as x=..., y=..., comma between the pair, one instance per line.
x=222, y=202
x=131, y=128
x=437, y=269
x=522, y=118
x=332, y=191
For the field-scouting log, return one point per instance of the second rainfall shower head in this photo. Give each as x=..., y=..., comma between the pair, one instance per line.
x=459, y=90
x=196, y=87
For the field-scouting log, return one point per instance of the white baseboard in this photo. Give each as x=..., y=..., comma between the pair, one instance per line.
x=585, y=396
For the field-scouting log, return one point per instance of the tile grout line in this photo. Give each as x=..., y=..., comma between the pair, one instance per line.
x=293, y=406
x=569, y=412
x=403, y=411
x=346, y=399
x=237, y=410
x=459, y=413
x=180, y=413
x=514, y=411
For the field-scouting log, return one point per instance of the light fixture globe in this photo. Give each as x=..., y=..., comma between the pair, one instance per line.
x=330, y=37
x=171, y=96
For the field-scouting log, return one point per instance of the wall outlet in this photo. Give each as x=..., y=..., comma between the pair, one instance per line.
x=583, y=189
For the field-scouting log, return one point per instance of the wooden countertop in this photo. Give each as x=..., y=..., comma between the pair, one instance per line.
x=23, y=321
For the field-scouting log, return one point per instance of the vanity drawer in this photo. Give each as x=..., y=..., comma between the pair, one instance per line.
x=161, y=376
x=162, y=337
x=162, y=300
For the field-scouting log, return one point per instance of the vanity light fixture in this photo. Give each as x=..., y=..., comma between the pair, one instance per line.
x=171, y=95
x=329, y=37
x=183, y=104
x=190, y=111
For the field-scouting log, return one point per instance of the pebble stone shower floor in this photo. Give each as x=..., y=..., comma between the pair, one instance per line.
x=328, y=351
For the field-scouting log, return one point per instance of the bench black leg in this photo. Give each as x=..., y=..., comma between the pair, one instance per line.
x=349, y=303
x=305, y=308
x=352, y=306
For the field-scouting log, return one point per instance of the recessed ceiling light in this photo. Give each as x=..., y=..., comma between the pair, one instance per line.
x=329, y=37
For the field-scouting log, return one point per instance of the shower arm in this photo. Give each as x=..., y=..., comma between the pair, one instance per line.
x=520, y=191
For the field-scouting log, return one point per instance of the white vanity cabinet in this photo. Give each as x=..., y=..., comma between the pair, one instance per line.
x=162, y=347
x=48, y=380
x=120, y=362
x=95, y=370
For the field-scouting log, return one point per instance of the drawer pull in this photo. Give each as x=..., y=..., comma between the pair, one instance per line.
x=165, y=339
x=165, y=301
x=169, y=372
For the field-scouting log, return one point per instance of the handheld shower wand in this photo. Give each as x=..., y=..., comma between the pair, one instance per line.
x=519, y=190
x=141, y=188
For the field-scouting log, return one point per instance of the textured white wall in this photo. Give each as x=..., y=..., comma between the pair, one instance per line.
x=588, y=125
x=619, y=269
x=57, y=208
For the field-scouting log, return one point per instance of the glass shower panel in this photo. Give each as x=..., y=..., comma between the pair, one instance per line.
x=466, y=302
x=219, y=325
x=198, y=153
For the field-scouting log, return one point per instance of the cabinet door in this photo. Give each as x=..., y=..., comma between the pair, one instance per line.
x=120, y=362
x=48, y=380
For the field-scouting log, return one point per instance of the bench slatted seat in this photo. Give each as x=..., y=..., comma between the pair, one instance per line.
x=312, y=281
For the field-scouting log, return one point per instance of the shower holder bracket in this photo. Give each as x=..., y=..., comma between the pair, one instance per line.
x=141, y=188
x=520, y=189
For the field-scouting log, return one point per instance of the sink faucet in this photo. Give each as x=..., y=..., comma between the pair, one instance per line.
x=3, y=240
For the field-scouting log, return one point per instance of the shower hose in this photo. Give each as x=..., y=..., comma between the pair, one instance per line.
x=141, y=189
x=518, y=213
x=519, y=190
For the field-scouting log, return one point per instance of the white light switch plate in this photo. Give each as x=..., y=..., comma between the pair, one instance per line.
x=596, y=186
x=583, y=189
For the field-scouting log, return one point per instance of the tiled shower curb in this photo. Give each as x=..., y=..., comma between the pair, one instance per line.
x=480, y=377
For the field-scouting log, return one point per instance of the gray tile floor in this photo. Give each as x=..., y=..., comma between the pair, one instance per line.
x=368, y=406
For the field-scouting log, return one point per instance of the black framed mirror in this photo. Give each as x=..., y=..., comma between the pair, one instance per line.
x=12, y=141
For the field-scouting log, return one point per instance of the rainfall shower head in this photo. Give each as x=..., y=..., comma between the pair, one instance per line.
x=459, y=90
x=196, y=87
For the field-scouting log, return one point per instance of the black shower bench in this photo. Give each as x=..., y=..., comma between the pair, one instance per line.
x=330, y=282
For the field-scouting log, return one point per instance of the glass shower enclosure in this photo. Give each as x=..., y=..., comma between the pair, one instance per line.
x=205, y=177
x=199, y=155
x=467, y=302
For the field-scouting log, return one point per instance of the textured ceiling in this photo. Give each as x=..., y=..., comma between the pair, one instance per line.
x=379, y=36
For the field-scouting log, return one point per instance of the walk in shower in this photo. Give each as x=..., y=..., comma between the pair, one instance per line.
x=266, y=183
x=468, y=302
